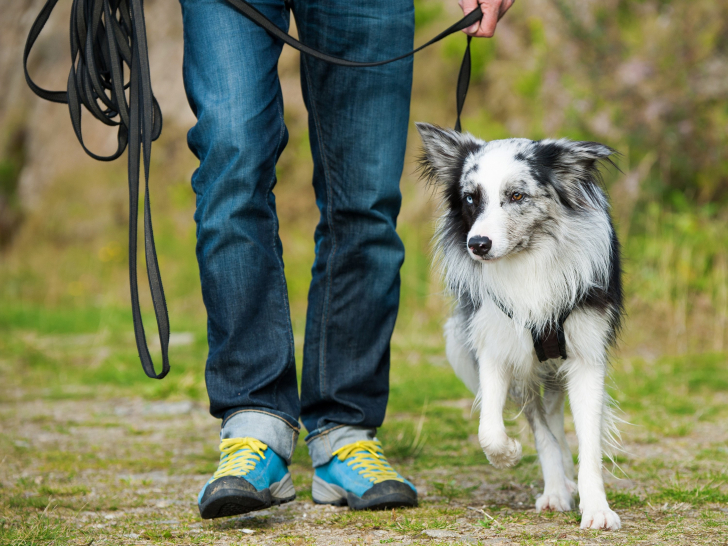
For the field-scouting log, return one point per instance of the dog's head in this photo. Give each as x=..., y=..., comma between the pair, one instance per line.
x=505, y=196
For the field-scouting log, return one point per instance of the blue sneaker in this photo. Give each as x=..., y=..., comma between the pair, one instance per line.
x=360, y=476
x=250, y=477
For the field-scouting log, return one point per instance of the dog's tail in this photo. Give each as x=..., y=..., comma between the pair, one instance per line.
x=461, y=357
x=611, y=435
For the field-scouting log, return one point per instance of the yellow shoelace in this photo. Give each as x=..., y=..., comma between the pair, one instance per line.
x=239, y=456
x=368, y=456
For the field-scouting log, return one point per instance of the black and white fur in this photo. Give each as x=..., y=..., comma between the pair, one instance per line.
x=526, y=224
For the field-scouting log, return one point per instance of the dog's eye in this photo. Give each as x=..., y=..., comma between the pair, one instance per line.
x=516, y=196
x=469, y=199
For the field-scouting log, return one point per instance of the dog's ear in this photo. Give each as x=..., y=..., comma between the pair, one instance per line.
x=444, y=152
x=572, y=167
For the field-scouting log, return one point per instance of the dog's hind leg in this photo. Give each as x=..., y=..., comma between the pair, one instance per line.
x=461, y=357
x=556, y=492
x=553, y=401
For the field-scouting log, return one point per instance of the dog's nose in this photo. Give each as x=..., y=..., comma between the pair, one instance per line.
x=480, y=245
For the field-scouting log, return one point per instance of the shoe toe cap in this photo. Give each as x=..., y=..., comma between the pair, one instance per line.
x=383, y=495
x=390, y=487
x=231, y=495
x=229, y=485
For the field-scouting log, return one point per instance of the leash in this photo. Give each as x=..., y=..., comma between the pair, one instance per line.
x=107, y=36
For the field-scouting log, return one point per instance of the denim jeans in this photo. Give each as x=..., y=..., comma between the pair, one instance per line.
x=358, y=120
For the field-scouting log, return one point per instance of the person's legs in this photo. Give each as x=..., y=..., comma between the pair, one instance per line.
x=358, y=120
x=230, y=74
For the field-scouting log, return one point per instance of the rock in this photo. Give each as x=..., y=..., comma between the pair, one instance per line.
x=169, y=408
x=440, y=533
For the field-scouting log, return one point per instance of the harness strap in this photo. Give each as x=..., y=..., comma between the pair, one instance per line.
x=109, y=35
x=551, y=343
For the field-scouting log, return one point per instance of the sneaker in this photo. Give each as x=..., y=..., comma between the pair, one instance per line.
x=250, y=477
x=360, y=476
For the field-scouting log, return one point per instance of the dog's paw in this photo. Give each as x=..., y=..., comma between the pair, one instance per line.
x=503, y=454
x=557, y=501
x=571, y=486
x=600, y=519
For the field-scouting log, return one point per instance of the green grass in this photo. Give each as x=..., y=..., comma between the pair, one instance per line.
x=428, y=434
x=696, y=495
x=35, y=530
x=66, y=342
x=620, y=500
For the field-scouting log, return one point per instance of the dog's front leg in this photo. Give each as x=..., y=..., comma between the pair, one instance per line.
x=495, y=380
x=587, y=398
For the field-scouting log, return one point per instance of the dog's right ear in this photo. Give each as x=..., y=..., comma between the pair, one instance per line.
x=444, y=152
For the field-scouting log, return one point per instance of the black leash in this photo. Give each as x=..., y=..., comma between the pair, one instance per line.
x=109, y=35
x=106, y=36
x=463, y=77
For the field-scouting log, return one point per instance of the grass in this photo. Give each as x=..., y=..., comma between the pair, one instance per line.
x=121, y=469
x=122, y=474
x=92, y=449
x=145, y=466
x=35, y=530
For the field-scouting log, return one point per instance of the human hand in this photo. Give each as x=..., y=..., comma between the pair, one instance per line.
x=492, y=10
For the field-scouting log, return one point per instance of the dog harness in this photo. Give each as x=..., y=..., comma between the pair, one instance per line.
x=551, y=343
x=108, y=38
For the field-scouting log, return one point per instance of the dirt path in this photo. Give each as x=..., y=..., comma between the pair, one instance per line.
x=128, y=471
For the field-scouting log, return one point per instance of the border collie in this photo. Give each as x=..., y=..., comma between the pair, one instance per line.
x=527, y=248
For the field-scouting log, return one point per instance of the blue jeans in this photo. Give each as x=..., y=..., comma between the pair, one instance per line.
x=358, y=120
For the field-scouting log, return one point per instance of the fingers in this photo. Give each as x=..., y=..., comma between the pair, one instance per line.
x=468, y=6
x=492, y=10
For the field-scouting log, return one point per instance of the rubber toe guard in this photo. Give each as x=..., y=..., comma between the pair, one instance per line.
x=231, y=496
x=384, y=495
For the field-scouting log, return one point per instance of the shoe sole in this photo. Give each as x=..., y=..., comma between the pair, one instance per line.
x=329, y=493
x=230, y=502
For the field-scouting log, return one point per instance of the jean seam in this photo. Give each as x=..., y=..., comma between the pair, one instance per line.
x=325, y=432
x=286, y=304
x=294, y=429
x=324, y=315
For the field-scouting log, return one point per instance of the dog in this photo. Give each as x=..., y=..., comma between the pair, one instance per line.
x=526, y=246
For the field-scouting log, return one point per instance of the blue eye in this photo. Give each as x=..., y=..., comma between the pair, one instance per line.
x=469, y=199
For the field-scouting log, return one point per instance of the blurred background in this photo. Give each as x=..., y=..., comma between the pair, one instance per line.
x=649, y=78
x=89, y=447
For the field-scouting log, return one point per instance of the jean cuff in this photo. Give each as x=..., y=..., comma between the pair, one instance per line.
x=322, y=444
x=272, y=430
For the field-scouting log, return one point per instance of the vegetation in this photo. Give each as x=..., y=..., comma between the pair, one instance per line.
x=93, y=450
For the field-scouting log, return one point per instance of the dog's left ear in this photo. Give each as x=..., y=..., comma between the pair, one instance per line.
x=444, y=152
x=573, y=169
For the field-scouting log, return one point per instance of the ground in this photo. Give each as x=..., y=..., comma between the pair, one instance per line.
x=93, y=452
x=120, y=461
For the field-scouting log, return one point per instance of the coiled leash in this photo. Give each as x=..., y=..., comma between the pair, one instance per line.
x=109, y=35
